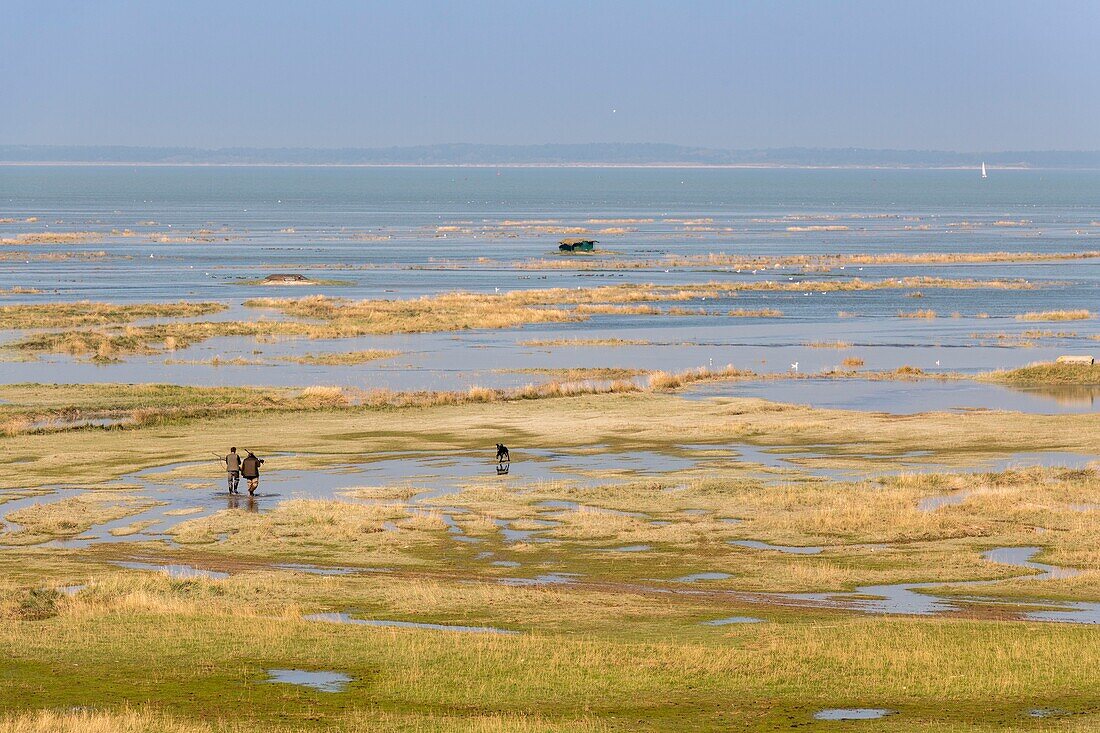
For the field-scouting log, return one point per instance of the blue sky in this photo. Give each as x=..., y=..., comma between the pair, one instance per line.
x=948, y=75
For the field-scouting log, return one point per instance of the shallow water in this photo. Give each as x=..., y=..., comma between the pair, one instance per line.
x=733, y=620
x=696, y=577
x=852, y=714
x=322, y=681
x=1046, y=712
x=788, y=549
x=379, y=230
x=318, y=570
x=436, y=475
x=179, y=572
x=195, y=486
x=916, y=598
x=544, y=579
x=815, y=462
x=900, y=397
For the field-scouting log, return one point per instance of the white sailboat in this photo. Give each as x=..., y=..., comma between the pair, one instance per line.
x=984, y=174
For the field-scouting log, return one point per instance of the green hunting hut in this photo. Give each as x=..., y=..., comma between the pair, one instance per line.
x=577, y=245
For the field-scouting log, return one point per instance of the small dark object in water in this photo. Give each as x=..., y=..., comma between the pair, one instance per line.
x=502, y=469
x=285, y=277
x=577, y=245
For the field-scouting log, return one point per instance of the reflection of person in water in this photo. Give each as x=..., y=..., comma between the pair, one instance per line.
x=249, y=505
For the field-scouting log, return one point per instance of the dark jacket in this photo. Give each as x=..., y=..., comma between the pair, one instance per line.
x=233, y=462
x=250, y=466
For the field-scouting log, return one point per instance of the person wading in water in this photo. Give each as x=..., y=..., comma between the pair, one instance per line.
x=233, y=469
x=250, y=469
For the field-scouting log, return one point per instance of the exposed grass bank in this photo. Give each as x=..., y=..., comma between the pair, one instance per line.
x=344, y=358
x=1050, y=373
x=87, y=313
x=319, y=317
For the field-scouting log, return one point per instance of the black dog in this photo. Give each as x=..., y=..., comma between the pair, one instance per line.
x=502, y=453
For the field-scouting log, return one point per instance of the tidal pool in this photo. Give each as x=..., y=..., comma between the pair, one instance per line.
x=788, y=549
x=696, y=577
x=319, y=570
x=916, y=598
x=733, y=620
x=544, y=579
x=932, y=503
x=852, y=713
x=322, y=681
x=179, y=572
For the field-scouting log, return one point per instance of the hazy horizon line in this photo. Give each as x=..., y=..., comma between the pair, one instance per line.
x=546, y=155
x=596, y=143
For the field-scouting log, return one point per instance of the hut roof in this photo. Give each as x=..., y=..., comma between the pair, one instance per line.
x=576, y=241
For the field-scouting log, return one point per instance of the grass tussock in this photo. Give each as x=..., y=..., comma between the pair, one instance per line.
x=755, y=313
x=662, y=381
x=352, y=720
x=347, y=358
x=829, y=345
x=322, y=395
x=918, y=314
x=1056, y=315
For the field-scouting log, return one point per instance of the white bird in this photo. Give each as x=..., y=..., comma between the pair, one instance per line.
x=937, y=362
x=794, y=367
